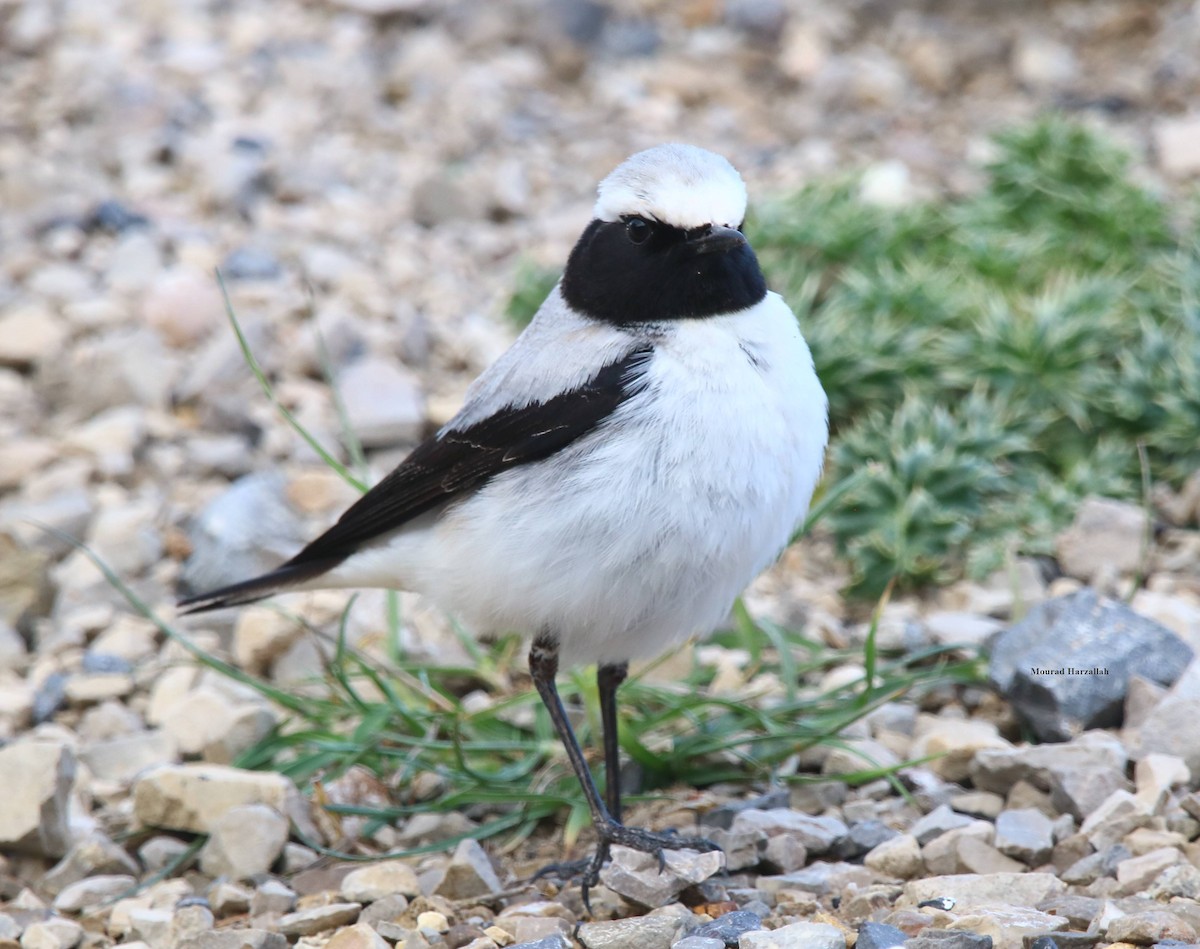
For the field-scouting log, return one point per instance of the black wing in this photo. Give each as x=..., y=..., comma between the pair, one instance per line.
x=444, y=466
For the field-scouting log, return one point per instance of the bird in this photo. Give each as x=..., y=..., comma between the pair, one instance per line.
x=615, y=479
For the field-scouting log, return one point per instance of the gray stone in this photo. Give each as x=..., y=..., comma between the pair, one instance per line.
x=383, y=402
x=246, y=530
x=638, y=876
x=796, y=936
x=879, y=936
x=636, y=932
x=1104, y=639
x=729, y=927
x=160, y=851
x=553, y=941
x=1170, y=729
x=864, y=836
x=700, y=942
x=1026, y=835
x=936, y=823
x=1106, y=536
x=469, y=874
x=234, y=939
x=123, y=758
x=948, y=939
x=271, y=897
x=1092, y=867
x=244, y=842
x=723, y=815
x=250, y=263
x=308, y=922
x=818, y=834
x=820, y=878
x=38, y=780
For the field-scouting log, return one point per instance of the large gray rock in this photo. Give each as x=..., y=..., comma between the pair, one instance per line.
x=796, y=936
x=1066, y=666
x=37, y=779
x=638, y=877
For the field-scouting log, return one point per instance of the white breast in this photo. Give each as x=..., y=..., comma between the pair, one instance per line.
x=644, y=532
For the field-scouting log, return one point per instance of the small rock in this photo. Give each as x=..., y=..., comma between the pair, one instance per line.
x=247, y=529
x=34, y=818
x=234, y=939
x=948, y=939
x=1156, y=926
x=729, y=927
x=978, y=856
x=1043, y=63
x=161, y=851
x=358, y=936
x=183, y=306
x=1026, y=835
x=229, y=899
x=879, y=936
x=271, y=897
x=637, y=877
x=1136, y=873
x=1106, y=535
x=122, y=759
x=899, y=857
x=955, y=743
x=92, y=892
x=469, y=874
x=308, y=922
x=1155, y=776
x=1093, y=866
x=636, y=932
x=796, y=936
x=701, y=942
x=937, y=822
x=553, y=941
x=818, y=834
x=1177, y=141
x=29, y=335
x=250, y=263
x=1116, y=816
x=383, y=402
x=374, y=882
x=1066, y=666
x=53, y=933
x=244, y=841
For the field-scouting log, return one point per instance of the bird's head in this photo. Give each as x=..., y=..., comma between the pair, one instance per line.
x=665, y=242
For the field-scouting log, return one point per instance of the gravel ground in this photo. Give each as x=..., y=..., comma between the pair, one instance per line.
x=379, y=169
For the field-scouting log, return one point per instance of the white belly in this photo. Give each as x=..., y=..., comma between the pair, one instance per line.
x=658, y=520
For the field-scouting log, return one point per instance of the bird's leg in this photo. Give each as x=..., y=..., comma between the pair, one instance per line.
x=608, y=678
x=543, y=666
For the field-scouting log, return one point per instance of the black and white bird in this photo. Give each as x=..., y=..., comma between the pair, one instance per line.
x=618, y=476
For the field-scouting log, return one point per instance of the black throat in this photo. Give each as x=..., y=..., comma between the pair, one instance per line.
x=665, y=276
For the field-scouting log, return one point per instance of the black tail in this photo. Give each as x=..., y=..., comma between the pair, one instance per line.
x=259, y=588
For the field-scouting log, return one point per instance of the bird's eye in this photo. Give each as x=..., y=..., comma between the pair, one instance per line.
x=638, y=229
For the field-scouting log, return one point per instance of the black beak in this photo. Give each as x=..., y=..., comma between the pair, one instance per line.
x=715, y=239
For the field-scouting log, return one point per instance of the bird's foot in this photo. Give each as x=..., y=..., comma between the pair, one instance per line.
x=646, y=841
